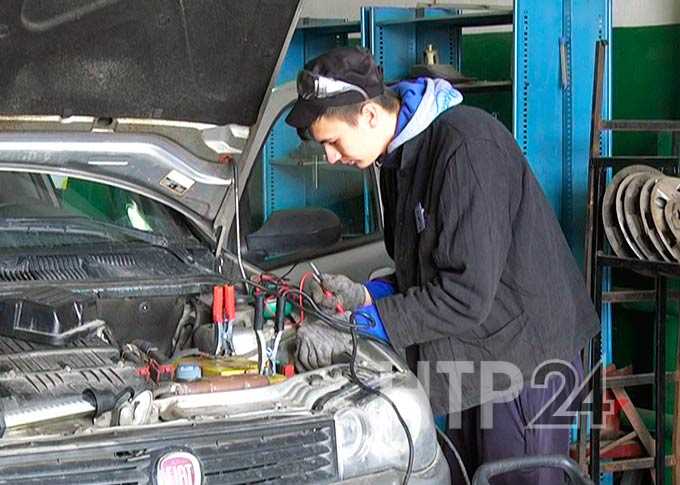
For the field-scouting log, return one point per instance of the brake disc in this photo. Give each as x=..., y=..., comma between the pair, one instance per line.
x=648, y=220
x=672, y=214
x=611, y=225
x=621, y=218
x=665, y=194
x=633, y=216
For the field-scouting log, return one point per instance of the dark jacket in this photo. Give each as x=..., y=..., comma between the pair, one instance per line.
x=490, y=276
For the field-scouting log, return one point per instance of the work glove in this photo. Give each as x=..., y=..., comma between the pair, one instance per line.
x=338, y=289
x=319, y=345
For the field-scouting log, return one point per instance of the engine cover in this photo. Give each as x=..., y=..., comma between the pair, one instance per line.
x=30, y=371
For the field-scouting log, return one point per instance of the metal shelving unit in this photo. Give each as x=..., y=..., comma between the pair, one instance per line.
x=597, y=261
x=397, y=37
x=292, y=181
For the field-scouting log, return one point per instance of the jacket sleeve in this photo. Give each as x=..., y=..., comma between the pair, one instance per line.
x=473, y=237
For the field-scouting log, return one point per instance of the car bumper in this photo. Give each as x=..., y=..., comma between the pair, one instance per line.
x=436, y=474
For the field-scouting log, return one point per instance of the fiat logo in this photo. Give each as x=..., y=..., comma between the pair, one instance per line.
x=178, y=468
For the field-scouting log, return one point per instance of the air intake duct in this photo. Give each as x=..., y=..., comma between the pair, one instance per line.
x=48, y=315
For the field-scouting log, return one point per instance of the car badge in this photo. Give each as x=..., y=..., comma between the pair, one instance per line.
x=178, y=468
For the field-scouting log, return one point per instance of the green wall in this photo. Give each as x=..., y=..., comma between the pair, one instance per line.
x=646, y=76
x=646, y=85
x=488, y=57
x=646, y=72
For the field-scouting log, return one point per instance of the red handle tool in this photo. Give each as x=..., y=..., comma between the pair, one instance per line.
x=218, y=305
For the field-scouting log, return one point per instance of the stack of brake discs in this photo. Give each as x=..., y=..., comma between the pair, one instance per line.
x=641, y=214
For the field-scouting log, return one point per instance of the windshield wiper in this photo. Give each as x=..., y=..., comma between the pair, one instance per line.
x=155, y=239
x=76, y=224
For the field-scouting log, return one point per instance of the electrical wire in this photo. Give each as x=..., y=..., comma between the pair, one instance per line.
x=332, y=320
x=452, y=447
x=290, y=270
x=239, y=251
x=273, y=352
x=302, y=289
x=271, y=277
x=351, y=327
x=335, y=322
x=372, y=390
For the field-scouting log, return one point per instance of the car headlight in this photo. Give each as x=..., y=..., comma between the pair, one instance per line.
x=371, y=439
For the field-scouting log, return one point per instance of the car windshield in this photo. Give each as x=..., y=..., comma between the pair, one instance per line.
x=46, y=210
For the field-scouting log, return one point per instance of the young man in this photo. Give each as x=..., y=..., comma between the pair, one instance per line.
x=483, y=271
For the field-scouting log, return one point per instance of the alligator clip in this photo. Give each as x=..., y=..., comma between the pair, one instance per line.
x=258, y=326
x=230, y=316
x=224, y=314
x=218, y=317
x=279, y=318
x=316, y=274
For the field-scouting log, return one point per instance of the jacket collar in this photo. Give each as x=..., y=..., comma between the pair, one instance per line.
x=403, y=157
x=410, y=150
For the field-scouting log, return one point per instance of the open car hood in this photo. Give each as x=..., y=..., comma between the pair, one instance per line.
x=208, y=61
x=139, y=94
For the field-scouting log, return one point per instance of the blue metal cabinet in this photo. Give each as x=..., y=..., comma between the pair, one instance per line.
x=553, y=92
x=397, y=37
x=555, y=48
x=284, y=183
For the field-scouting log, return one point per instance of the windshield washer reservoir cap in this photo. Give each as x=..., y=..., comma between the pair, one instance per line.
x=188, y=372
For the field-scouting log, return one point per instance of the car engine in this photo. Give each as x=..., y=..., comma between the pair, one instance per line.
x=70, y=362
x=42, y=385
x=110, y=379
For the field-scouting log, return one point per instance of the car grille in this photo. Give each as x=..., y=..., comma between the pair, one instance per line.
x=294, y=451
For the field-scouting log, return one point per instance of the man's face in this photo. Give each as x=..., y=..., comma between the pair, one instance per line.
x=358, y=144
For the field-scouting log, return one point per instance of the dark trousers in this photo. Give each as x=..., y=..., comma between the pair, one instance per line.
x=511, y=437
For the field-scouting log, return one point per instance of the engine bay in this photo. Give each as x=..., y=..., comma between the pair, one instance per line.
x=72, y=362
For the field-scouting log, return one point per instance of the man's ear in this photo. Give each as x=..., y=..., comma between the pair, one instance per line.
x=369, y=111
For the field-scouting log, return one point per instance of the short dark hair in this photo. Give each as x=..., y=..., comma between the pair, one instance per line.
x=389, y=101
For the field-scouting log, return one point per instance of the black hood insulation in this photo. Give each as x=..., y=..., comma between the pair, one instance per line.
x=191, y=60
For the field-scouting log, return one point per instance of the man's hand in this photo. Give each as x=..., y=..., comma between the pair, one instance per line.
x=339, y=289
x=319, y=345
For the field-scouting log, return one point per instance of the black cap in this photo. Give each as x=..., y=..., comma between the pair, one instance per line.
x=351, y=65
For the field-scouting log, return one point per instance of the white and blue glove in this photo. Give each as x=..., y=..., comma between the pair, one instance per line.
x=367, y=317
x=318, y=344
